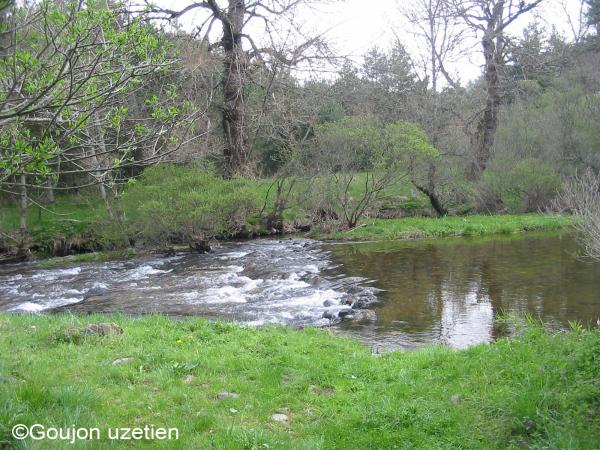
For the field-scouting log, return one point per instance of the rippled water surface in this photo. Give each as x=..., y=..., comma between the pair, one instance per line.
x=257, y=282
x=446, y=291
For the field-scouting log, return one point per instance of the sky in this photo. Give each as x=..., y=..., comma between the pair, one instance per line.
x=355, y=26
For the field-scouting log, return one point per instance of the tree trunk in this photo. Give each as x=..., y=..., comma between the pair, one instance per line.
x=436, y=204
x=483, y=140
x=234, y=150
x=23, y=249
x=106, y=200
x=98, y=164
x=50, y=190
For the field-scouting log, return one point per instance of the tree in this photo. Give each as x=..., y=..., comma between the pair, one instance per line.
x=389, y=81
x=360, y=158
x=437, y=27
x=69, y=70
x=440, y=37
x=235, y=17
x=489, y=19
x=581, y=196
x=593, y=13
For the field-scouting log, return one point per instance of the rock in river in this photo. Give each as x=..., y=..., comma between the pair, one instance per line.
x=364, y=315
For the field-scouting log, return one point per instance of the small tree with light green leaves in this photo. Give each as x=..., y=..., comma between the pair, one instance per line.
x=359, y=159
x=70, y=75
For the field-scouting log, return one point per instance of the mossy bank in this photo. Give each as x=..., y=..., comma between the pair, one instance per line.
x=226, y=386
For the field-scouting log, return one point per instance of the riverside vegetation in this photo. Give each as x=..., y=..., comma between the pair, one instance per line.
x=221, y=384
x=173, y=205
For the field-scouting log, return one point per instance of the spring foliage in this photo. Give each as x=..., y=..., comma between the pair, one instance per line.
x=175, y=203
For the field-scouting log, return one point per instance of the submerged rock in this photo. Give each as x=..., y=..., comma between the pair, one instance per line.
x=364, y=315
x=328, y=315
x=345, y=312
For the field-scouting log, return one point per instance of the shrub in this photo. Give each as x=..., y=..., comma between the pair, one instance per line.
x=360, y=158
x=180, y=204
x=528, y=186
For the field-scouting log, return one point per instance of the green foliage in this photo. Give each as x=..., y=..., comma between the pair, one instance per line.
x=70, y=58
x=363, y=143
x=539, y=390
x=330, y=111
x=528, y=186
x=361, y=147
x=175, y=204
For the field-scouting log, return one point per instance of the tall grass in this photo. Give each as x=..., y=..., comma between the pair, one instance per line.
x=426, y=227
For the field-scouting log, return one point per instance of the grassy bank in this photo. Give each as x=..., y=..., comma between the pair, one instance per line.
x=429, y=227
x=540, y=390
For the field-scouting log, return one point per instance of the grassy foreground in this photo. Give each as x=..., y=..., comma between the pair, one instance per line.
x=430, y=227
x=540, y=390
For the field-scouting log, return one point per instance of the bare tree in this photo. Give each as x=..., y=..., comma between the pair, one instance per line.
x=489, y=19
x=581, y=196
x=442, y=36
x=239, y=50
x=578, y=25
x=439, y=30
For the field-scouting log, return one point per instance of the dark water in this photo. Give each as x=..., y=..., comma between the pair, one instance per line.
x=446, y=291
x=451, y=290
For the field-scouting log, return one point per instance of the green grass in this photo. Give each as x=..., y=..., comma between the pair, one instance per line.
x=76, y=223
x=72, y=217
x=67, y=209
x=538, y=391
x=428, y=227
x=89, y=257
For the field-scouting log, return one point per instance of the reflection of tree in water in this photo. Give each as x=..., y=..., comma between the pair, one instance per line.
x=453, y=288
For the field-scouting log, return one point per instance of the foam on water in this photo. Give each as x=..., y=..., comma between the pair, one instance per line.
x=255, y=282
x=52, y=275
x=143, y=272
x=52, y=303
x=28, y=307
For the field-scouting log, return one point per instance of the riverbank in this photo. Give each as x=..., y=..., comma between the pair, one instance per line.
x=226, y=386
x=171, y=206
x=440, y=227
x=80, y=238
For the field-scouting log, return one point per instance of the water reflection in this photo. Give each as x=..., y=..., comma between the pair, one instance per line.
x=449, y=291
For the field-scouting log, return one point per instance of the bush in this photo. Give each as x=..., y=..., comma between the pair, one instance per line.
x=359, y=159
x=181, y=204
x=527, y=187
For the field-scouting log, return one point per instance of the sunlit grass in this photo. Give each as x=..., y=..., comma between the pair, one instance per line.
x=540, y=390
x=429, y=227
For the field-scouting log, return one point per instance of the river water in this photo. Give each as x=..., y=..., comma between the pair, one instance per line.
x=446, y=291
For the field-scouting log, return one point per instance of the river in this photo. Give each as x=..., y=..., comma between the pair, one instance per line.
x=446, y=291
